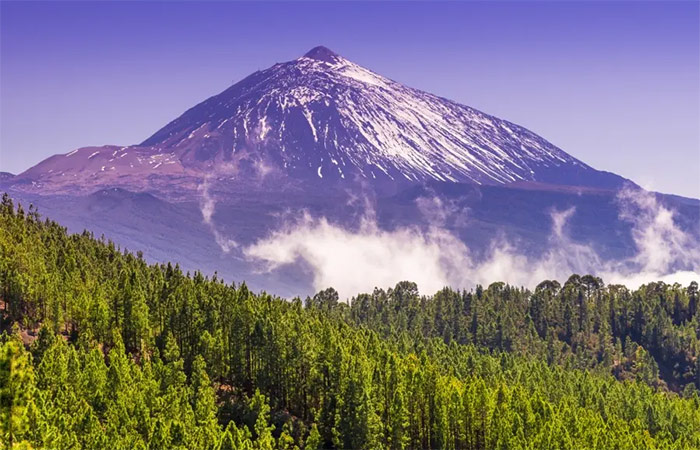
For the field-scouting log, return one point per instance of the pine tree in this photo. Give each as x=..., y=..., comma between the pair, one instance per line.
x=16, y=392
x=313, y=441
x=204, y=404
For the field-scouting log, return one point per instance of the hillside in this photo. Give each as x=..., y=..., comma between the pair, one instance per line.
x=105, y=350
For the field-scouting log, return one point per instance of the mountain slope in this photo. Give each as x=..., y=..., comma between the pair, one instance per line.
x=323, y=118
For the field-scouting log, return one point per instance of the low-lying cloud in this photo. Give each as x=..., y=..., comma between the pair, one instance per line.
x=355, y=261
x=257, y=168
x=207, y=206
x=359, y=259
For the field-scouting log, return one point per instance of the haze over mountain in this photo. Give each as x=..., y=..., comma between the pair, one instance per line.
x=327, y=136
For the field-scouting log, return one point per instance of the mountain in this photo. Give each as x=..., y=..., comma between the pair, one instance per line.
x=325, y=136
x=322, y=117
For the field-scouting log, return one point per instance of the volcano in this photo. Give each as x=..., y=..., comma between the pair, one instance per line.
x=316, y=134
x=323, y=117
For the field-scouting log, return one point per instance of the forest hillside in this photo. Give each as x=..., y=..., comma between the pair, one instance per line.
x=102, y=350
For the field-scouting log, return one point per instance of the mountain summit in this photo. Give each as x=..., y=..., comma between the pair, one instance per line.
x=322, y=53
x=323, y=118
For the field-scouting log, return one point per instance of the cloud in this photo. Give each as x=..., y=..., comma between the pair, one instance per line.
x=441, y=212
x=355, y=260
x=207, y=206
x=664, y=251
x=256, y=168
x=660, y=242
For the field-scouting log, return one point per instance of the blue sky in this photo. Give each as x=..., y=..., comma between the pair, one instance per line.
x=616, y=84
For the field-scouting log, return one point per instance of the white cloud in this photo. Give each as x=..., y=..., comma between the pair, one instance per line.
x=260, y=169
x=207, y=206
x=359, y=259
x=353, y=261
x=661, y=244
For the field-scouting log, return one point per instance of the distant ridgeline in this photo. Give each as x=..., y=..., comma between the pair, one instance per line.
x=102, y=350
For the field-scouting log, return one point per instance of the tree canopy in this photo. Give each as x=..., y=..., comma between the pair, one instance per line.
x=102, y=350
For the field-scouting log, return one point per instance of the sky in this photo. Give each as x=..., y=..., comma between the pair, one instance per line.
x=615, y=84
